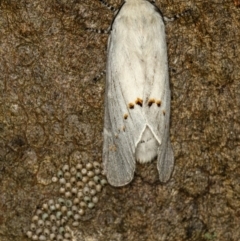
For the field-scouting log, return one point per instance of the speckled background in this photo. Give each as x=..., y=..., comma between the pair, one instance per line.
x=50, y=109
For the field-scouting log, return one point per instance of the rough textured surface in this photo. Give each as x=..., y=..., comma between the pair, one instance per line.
x=51, y=109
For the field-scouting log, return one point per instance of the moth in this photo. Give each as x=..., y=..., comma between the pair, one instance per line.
x=137, y=97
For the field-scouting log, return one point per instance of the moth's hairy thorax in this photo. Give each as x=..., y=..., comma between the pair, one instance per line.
x=137, y=14
x=135, y=23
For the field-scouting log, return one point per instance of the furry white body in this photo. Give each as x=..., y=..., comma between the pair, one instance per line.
x=137, y=99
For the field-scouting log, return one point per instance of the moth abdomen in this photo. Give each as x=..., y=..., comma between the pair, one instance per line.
x=146, y=149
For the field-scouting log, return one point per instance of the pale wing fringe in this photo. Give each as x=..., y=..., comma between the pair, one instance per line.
x=165, y=162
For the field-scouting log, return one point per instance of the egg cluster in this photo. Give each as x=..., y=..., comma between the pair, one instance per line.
x=79, y=186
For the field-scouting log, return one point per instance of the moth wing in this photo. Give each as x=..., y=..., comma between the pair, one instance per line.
x=122, y=126
x=157, y=88
x=118, y=158
x=165, y=162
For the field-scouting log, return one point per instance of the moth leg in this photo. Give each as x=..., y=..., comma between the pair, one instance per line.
x=99, y=76
x=107, y=5
x=103, y=31
x=177, y=16
x=165, y=162
x=99, y=31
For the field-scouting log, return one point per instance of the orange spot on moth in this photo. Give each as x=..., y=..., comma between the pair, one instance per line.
x=150, y=102
x=125, y=116
x=130, y=105
x=158, y=102
x=139, y=101
x=164, y=113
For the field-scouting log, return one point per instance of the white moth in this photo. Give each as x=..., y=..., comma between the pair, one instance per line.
x=137, y=99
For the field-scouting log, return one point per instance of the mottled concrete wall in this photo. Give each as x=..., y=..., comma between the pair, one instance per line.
x=51, y=111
